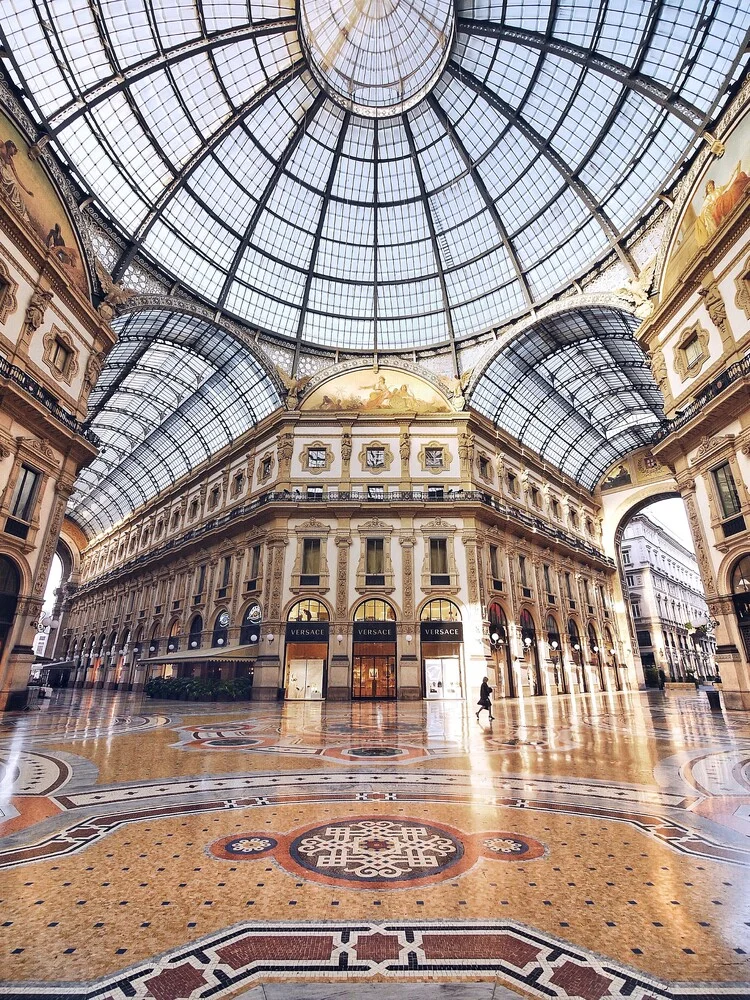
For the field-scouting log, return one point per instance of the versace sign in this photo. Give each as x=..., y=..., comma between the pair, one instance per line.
x=374, y=631
x=441, y=631
x=307, y=631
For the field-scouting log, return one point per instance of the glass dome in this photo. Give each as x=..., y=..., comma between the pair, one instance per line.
x=374, y=184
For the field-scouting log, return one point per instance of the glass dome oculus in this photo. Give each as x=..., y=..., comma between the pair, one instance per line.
x=376, y=58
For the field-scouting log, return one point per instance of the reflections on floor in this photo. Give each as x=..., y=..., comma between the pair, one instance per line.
x=593, y=847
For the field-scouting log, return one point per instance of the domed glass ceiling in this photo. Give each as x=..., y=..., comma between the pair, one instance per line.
x=316, y=201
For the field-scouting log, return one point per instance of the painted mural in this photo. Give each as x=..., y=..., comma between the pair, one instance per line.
x=723, y=187
x=28, y=193
x=384, y=391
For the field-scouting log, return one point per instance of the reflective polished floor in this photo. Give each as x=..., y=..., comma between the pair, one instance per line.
x=584, y=847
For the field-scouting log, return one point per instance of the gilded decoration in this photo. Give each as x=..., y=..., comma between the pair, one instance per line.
x=8, y=289
x=54, y=338
x=434, y=457
x=317, y=457
x=684, y=368
x=375, y=457
x=29, y=195
x=385, y=391
x=719, y=195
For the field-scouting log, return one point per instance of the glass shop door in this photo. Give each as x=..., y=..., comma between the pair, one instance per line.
x=373, y=670
x=305, y=671
x=442, y=670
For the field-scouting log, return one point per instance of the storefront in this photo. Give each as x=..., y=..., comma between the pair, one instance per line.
x=374, y=650
x=500, y=645
x=531, y=652
x=306, y=653
x=441, y=634
x=741, y=599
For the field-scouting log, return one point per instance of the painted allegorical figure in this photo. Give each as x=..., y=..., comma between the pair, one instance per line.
x=718, y=202
x=11, y=184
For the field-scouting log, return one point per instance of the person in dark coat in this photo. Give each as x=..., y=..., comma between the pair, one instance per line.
x=484, y=699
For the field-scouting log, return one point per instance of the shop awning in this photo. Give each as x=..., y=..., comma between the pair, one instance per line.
x=214, y=654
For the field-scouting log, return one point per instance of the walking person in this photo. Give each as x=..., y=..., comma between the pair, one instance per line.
x=485, y=693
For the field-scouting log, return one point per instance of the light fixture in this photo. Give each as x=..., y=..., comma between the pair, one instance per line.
x=339, y=638
x=193, y=644
x=576, y=646
x=170, y=646
x=554, y=644
x=595, y=648
x=409, y=637
x=270, y=637
x=219, y=642
x=495, y=637
x=152, y=649
x=527, y=642
x=254, y=637
x=611, y=652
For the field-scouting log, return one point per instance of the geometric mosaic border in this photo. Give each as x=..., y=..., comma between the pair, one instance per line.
x=250, y=953
x=91, y=829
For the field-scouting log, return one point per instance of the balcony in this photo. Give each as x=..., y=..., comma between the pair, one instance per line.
x=32, y=388
x=400, y=497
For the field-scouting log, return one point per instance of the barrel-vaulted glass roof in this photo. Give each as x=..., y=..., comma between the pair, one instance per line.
x=577, y=389
x=174, y=391
x=271, y=192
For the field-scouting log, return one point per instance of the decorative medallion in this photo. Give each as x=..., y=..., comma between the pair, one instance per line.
x=378, y=852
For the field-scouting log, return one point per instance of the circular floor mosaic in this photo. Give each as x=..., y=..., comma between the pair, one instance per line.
x=367, y=850
x=378, y=852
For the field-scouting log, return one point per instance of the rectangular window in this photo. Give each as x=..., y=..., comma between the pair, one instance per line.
x=265, y=468
x=314, y=492
x=513, y=484
x=522, y=571
x=375, y=458
x=376, y=492
x=61, y=355
x=494, y=564
x=316, y=458
x=255, y=562
x=636, y=609
x=536, y=498
x=226, y=570
x=201, y=579
x=435, y=493
x=547, y=578
x=725, y=487
x=555, y=508
x=439, y=575
x=310, y=562
x=484, y=467
x=433, y=458
x=24, y=494
x=630, y=580
x=375, y=562
x=626, y=557
x=692, y=351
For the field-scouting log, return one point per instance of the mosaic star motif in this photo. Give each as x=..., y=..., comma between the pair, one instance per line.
x=377, y=849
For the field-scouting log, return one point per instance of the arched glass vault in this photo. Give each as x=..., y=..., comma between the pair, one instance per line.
x=575, y=388
x=216, y=154
x=175, y=390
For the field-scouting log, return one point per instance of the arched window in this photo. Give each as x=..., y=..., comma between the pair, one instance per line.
x=10, y=584
x=553, y=631
x=609, y=642
x=593, y=639
x=528, y=629
x=440, y=610
x=250, y=628
x=374, y=610
x=221, y=629
x=498, y=623
x=173, y=642
x=741, y=576
x=308, y=610
x=196, y=632
x=573, y=634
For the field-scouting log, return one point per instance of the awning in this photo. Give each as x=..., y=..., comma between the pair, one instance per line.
x=247, y=652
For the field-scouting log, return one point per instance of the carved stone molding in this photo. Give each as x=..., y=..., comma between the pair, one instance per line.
x=742, y=284
x=8, y=289
x=681, y=365
x=50, y=341
x=716, y=309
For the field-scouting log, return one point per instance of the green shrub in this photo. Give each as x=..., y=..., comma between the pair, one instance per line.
x=199, y=688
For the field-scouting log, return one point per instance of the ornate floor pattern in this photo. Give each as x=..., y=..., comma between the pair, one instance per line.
x=587, y=848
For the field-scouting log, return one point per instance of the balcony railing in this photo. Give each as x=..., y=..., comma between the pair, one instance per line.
x=536, y=524
x=731, y=374
x=48, y=401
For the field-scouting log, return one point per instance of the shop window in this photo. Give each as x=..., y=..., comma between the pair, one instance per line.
x=309, y=610
x=439, y=575
x=196, y=632
x=250, y=627
x=374, y=610
x=310, y=575
x=375, y=562
x=220, y=635
x=23, y=502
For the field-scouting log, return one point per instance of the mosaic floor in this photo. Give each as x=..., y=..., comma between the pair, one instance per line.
x=586, y=847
